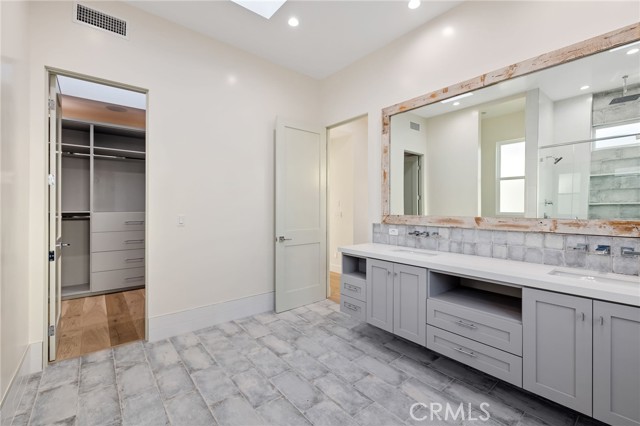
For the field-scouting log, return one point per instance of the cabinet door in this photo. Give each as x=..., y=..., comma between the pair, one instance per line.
x=380, y=294
x=616, y=363
x=410, y=303
x=557, y=357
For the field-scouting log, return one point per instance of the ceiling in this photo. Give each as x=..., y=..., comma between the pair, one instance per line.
x=99, y=92
x=331, y=34
x=600, y=72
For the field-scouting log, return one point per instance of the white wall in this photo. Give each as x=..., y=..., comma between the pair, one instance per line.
x=341, y=158
x=14, y=191
x=348, y=222
x=211, y=117
x=487, y=36
x=453, y=164
x=493, y=130
x=407, y=139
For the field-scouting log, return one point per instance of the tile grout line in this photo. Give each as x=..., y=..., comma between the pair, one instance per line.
x=155, y=382
x=195, y=385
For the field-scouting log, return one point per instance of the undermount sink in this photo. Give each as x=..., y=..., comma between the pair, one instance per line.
x=595, y=277
x=419, y=253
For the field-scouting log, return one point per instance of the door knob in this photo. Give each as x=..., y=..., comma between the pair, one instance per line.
x=282, y=239
x=63, y=245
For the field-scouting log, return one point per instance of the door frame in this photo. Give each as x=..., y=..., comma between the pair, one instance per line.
x=49, y=71
x=328, y=224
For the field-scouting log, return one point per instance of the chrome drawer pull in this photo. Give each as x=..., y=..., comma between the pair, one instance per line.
x=134, y=222
x=352, y=287
x=465, y=352
x=135, y=259
x=351, y=307
x=134, y=278
x=134, y=241
x=466, y=324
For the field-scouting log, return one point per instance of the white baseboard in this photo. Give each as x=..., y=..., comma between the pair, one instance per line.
x=30, y=363
x=337, y=268
x=164, y=326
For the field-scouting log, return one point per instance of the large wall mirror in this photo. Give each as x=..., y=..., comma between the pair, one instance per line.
x=548, y=144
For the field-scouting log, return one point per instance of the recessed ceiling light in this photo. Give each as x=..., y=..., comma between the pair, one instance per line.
x=626, y=46
x=456, y=103
x=448, y=31
x=632, y=51
x=456, y=98
x=414, y=4
x=585, y=87
x=293, y=21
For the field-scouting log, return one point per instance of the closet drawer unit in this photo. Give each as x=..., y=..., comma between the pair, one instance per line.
x=354, y=307
x=500, y=364
x=117, y=221
x=353, y=287
x=482, y=327
x=114, y=280
x=112, y=260
x=111, y=241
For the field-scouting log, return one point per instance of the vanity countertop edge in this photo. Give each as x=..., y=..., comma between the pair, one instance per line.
x=523, y=274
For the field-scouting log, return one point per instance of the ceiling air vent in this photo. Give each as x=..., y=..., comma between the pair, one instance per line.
x=414, y=126
x=97, y=19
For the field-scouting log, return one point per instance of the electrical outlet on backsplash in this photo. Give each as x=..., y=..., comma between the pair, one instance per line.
x=569, y=250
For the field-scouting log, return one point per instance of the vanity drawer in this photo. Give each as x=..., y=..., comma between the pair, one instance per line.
x=112, y=260
x=353, y=287
x=111, y=241
x=117, y=221
x=500, y=364
x=354, y=307
x=114, y=280
x=482, y=327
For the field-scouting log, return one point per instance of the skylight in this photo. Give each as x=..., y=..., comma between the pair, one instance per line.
x=264, y=8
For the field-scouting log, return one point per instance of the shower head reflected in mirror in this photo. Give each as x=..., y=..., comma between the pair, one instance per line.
x=556, y=160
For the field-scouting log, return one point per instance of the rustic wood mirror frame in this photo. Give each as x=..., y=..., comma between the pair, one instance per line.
x=619, y=227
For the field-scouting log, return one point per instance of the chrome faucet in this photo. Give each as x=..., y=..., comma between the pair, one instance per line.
x=629, y=252
x=581, y=247
x=603, y=250
x=419, y=234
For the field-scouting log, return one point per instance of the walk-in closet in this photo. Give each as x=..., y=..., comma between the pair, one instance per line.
x=103, y=184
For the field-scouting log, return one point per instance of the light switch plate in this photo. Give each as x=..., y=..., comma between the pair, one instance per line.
x=393, y=231
x=181, y=220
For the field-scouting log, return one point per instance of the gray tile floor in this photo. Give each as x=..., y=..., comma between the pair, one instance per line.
x=310, y=366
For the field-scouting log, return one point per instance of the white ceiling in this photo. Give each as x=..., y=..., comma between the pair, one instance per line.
x=331, y=34
x=601, y=72
x=102, y=93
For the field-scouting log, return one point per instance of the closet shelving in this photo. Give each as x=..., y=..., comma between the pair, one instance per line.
x=103, y=194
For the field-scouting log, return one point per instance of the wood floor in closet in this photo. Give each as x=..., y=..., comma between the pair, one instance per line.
x=334, y=282
x=93, y=323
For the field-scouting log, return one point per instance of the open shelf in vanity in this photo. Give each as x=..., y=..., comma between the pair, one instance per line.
x=353, y=286
x=476, y=322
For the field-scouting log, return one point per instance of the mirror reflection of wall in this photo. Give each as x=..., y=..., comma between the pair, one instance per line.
x=533, y=146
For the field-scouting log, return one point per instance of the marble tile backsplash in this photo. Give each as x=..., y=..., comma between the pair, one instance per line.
x=533, y=247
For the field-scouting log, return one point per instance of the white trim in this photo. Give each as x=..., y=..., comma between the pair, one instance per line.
x=164, y=326
x=30, y=363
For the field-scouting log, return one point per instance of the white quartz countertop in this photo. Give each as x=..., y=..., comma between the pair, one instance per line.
x=578, y=282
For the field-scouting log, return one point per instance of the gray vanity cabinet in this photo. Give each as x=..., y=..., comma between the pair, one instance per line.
x=557, y=348
x=380, y=294
x=616, y=363
x=409, y=302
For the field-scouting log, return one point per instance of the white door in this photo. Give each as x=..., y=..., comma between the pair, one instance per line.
x=55, y=216
x=301, y=237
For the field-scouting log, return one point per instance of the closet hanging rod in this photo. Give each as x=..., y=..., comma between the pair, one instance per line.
x=76, y=217
x=117, y=157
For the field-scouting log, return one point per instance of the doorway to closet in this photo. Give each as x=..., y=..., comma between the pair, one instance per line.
x=97, y=212
x=348, y=221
